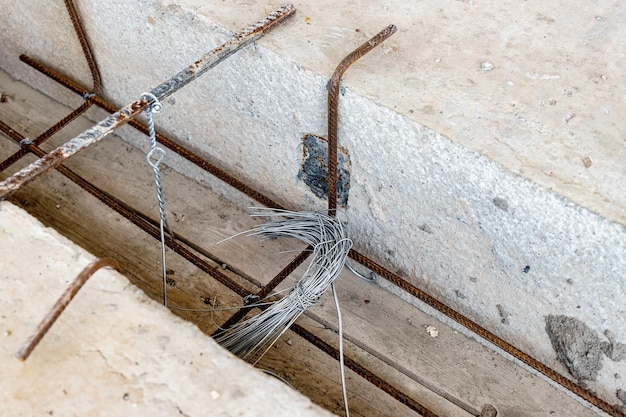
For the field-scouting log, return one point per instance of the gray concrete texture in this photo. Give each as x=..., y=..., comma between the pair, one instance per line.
x=113, y=351
x=478, y=183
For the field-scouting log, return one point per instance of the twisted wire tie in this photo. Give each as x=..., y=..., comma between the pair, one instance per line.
x=25, y=142
x=153, y=160
x=154, y=106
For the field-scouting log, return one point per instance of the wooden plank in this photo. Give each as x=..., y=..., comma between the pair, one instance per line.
x=450, y=373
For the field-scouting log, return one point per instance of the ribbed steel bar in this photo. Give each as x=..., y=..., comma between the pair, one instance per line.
x=333, y=108
x=164, y=140
x=46, y=135
x=79, y=29
x=96, y=89
x=487, y=335
x=60, y=305
x=165, y=89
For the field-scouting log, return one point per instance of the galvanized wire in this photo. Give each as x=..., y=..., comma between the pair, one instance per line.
x=328, y=238
x=154, y=157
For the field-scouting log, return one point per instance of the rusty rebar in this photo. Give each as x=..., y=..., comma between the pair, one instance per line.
x=164, y=140
x=487, y=335
x=333, y=108
x=60, y=305
x=79, y=29
x=46, y=135
x=96, y=89
x=164, y=90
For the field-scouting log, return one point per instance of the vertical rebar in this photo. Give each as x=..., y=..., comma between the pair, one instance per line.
x=84, y=43
x=333, y=109
x=61, y=304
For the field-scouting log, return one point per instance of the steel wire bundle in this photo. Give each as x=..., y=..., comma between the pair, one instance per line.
x=327, y=235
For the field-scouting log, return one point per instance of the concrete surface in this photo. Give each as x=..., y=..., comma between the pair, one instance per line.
x=530, y=88
x=113, y=351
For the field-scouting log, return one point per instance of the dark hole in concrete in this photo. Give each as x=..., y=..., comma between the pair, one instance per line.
x=314, y=171
x=501, y=203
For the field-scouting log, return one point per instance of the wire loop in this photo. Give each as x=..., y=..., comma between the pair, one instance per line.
x=154, y=106
x=371, y=279
x=25, y=142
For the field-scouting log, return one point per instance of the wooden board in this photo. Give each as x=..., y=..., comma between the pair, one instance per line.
x=450, y=373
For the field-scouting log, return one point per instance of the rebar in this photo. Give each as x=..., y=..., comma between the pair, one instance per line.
x=333, y=108
x=79, y=29
x=164, y=90
x=46, y=135
x=60, y=305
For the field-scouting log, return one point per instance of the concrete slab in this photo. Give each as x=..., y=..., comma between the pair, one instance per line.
x=113, y=351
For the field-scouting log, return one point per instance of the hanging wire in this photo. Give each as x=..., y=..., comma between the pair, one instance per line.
x=328, y=237
x=342, y=367
x=154, y=157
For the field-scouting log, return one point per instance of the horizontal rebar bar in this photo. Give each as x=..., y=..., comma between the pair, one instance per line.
x=46, y=135
x=60, y=305
x=165, y=89
x=162, y=139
